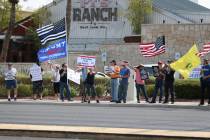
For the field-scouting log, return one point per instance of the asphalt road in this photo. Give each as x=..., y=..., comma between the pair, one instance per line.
x=125, y=117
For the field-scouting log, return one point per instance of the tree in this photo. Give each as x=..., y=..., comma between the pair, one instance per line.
x=8, y=35
x=68, y=18
x=137, y=10
x=5, y=7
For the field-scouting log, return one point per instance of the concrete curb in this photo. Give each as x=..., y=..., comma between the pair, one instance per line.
x=97, y=133
x=174, y=106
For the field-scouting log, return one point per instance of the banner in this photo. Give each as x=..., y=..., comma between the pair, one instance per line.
x=54, y=51
x=88, y=61
x=196, y=73
x=73, y=76
x=187, y=63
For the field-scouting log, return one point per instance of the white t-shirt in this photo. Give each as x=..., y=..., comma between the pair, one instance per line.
x=55, y=76
x=10, y=74
x=36, y=73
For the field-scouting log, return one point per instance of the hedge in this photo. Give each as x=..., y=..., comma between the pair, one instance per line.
x=184, y=89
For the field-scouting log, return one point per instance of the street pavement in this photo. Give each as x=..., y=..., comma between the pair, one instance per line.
x=142, y=117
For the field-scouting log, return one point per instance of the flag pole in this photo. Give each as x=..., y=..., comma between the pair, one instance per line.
x=67, y=53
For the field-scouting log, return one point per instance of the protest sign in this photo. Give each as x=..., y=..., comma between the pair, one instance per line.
x=88, y=61
x=73, y=76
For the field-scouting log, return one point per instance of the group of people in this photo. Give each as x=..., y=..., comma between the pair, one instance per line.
x=119, y=82
x=119, y=74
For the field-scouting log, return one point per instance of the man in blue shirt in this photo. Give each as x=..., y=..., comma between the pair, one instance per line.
x=123, y=87
x=205, y=81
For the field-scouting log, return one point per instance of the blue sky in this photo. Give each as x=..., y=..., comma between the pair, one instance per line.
x=34, y=4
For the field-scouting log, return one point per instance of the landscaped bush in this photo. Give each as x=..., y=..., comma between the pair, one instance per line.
x=184, y=89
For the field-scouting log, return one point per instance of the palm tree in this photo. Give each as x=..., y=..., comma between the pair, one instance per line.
x=8, y=35
x=68, y=18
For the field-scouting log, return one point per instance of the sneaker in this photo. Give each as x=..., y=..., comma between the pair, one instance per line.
x=172, y=102
x=201, y=104
x=15, y=99
x=124, y=102
x=118, y=102
x=112, y=101
x=9, y=99
x=88, y=101
x=166, y=102
x=97, y=101
x=153, y=102
x=138, y=101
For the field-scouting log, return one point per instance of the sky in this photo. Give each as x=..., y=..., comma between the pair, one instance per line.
x=31, y=5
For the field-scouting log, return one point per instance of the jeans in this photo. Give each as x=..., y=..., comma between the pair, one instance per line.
x=158, y=85
x=204, y=85
x=169, y=87
x=114, y=89
x=122, y=92
x=66, y=86
x=91, y=89
x=140, y=88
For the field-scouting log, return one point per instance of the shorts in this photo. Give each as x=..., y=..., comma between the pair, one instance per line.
x=37, y=87
x=56, y=87
x=11, y=84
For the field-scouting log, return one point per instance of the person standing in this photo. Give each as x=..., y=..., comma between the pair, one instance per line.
x=205, y=81
x=123, y=87
x=169, y=83
x=64, y=83
x=11, y=82
x=114, y=74
x=37, y=81
x=90, y=84
x=140, y=84
x=83, y=84
x=56, y=80
x=158, y=83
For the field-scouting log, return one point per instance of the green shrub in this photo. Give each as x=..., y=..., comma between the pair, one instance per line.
x=100, y=89
x=24, y=90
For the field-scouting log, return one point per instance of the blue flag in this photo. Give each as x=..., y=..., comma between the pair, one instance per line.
x=53, y=51
x=53, y=40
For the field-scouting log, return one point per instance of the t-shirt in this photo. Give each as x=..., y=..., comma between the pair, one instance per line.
x=206, y=71
x=10, y=74
x=138, y=77
x=123, y=72
x=55, y=76
x=169, y=75
x=63, y=78
x=90, y=78
x=36, y=73
x=115, y=72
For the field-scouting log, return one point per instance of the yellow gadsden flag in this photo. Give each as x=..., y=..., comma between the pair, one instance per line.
x=187, y=63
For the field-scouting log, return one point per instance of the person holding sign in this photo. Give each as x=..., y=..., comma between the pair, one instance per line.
x=123, y=87
x=36, y=78
x=11, y=82
x=141, y=76
x=114, y=74
x=90, y=84
x=158, y=73
x=169, y=82
x=64, y=83
x=56, y=79
x=205, y=81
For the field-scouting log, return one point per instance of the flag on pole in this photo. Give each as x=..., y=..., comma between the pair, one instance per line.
x=153, y=49
x=205, y=51
x=187, y=63
x=53, y=40
x=52, y=32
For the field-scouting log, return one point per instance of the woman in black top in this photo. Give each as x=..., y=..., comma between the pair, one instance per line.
x=90, y=85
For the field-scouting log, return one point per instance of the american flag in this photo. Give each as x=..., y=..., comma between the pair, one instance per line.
x=206, y=50
x=153, y=49
x=52, y=32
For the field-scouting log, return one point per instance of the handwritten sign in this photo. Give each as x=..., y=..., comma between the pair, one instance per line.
x=88, y=61
x=73, y=76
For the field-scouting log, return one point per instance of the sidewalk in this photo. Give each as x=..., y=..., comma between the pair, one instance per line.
x=180, y=105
